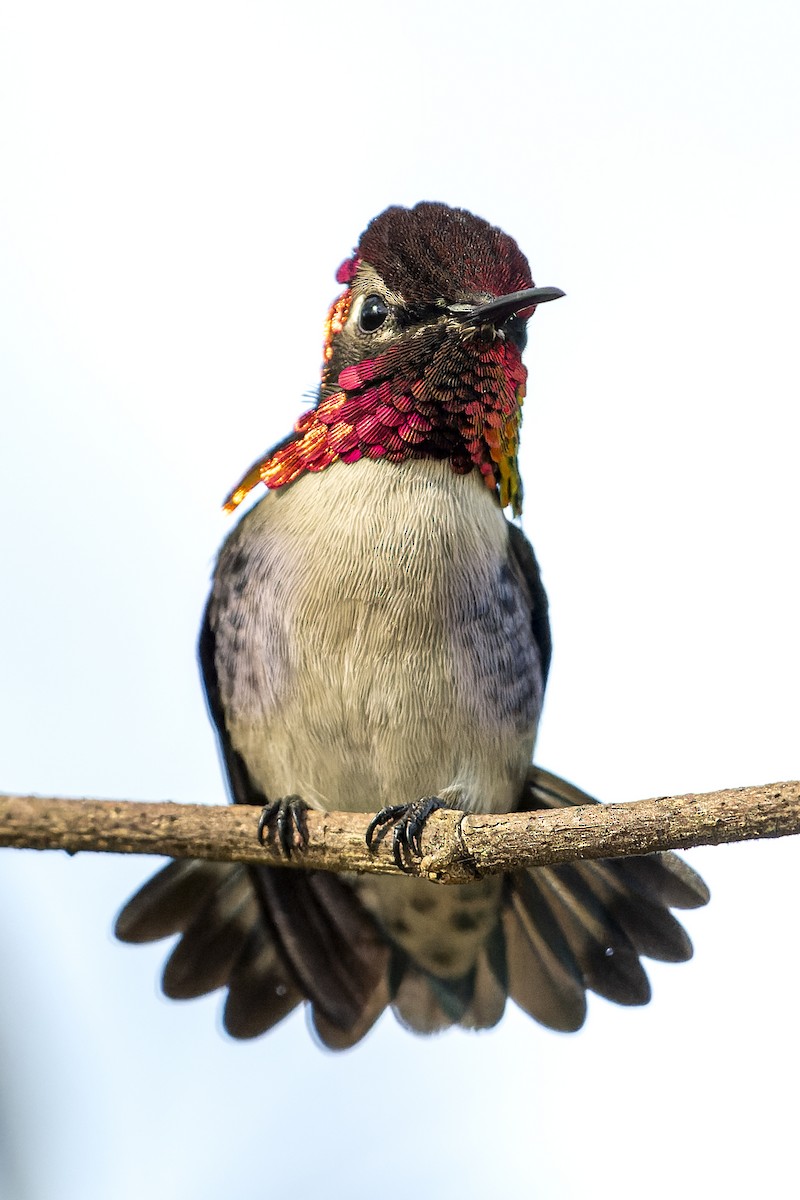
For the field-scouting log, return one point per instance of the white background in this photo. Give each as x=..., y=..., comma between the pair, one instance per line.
x=178, y=183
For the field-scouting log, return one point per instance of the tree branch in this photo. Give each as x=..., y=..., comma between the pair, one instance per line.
x=456, y=846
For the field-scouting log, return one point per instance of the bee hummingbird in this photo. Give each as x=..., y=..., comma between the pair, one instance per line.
x=377, y=638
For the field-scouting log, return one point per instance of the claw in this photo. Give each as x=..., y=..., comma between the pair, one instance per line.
x=387, y=815
x=287, y=817
x=409, y=822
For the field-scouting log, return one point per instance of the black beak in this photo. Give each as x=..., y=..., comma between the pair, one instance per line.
x=495, y=312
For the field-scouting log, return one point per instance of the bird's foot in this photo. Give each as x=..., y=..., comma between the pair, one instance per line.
x=409, y=821
x=285, y=818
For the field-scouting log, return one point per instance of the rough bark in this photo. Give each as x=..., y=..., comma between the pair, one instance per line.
x=456, y=846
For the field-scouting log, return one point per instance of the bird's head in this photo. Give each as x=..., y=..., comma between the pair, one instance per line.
x=422, y=354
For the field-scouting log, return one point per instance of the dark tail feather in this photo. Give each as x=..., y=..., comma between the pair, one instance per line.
x=213, y=940
x=427, y=1003
x=663, y=878
x=605, y=955
x=261, y=991
x=584, y=925
x=164, y=904
x=332, y=945
x=336, y=1038
x=225, y=941
x=650, y=926
x=274, y=937
x=489, y=985
x=544, y=977
x=422, y=1002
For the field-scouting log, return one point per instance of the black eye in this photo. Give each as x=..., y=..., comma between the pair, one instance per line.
x=374, y=312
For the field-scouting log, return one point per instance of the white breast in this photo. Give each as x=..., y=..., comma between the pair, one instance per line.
x=373, y=645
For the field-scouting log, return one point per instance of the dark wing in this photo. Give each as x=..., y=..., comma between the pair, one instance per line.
x=272, y=936
x=239, y=784
x=524, y=561
x=584, y=925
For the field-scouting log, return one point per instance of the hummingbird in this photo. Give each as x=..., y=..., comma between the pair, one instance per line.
x=377, y=639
